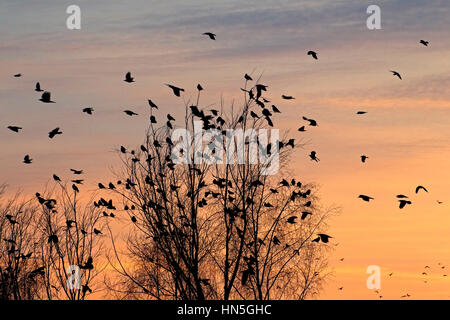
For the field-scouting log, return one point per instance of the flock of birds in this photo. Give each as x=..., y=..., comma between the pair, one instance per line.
x=46, y=98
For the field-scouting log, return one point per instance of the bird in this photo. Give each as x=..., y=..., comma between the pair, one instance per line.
x=38, y=87
x=14, y=128
x=130, y=113
x=421, y=187
x=152, y=104
x=312, y=54
x=395, y=73
x=199, y=87
x=101, y=186
x=291, y=220
x=401, y=196
x=365, y=198
x=46, y=97
x=287, y=97
x=322, y=237
x=248, y=78
x=305, y=214
x=361, y=112
x=211, y=35
x=312, y=122
x=88, y=110
x=425, y=43
x=56, y=178
x=75, y=188
x=128, y=78
x=27, y=159
x=275, y=109
x=313, y=156
x=78, y=181
x=76, y=171
x=54, y=132
x=176, y=90
x=17, y=75
x=133, y=219
x=97, y=232
x=403, y=203
x=302, y=129
x=364, y=158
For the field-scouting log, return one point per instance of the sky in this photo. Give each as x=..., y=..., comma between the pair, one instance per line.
x=405, y=132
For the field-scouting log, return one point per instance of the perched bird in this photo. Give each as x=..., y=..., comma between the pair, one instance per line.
x=152, y=104
x=421, y=187
x=275, y=109
x=97, y=232
x=27, y=159
x=313, y=156
x=56, y=178
x=199, y=87
x=287, y=97
x=248, y=78
x=212, y=36
x=128, y=78
x=130, y=113
x=364, y=158
x=14, y=128
x=312, y=54
x=38, y=87
x=425, y=43
x=88, y=110
x=365, y=198
x=46, y=97
x=403, y=203
x=395, y=73
x=101, y=186
x=176, y=90
x=54, y=132
x=75, y=188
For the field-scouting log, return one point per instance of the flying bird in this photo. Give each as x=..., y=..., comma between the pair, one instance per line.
x=46, y=97
x=312, y=54
x=128, y=78
x=322, y=237
x=421, y=187
x=38, y=87
x=313, y=156
x=176, y=90
x=54, y=132
x=312, y=122
x=364, y=158
x=361, y=112
x=211, y=35
x=17, y=75
x=395, y=73
x=425, y=43
x=88, y=110
x=365, y=198
x=403, y=203
x=302, y=129
x=14, y=128
x=76, y=171
x=287, y=97
x=27, y=159
x=130, y=113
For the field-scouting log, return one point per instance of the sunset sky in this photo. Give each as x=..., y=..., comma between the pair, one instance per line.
x=406, y=132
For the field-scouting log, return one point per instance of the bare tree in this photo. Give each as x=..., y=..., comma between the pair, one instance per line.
x=209, y=226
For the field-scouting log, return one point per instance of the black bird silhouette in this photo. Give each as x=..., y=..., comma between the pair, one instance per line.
x=313, y=156
x=176, y=90
x=27, y=159
x=88, y=110
x=111, y=186
x=403, y=203
x=365, y=198
x=130, y=113
x=395, y=73
x=97, y=232
x=199, y=87
x=421, y=187
x=78, y=181
x=75, y=188
x=101, y=186
x=361, y=112
x=364, y=158
x=287, y=97
x=305, y=214
x=56, y=178
x=38, y=87
x=248, y=78
x=54, y=132
x=14, y=128
x=312, y=54
x=17, y=75
x=401, y=196
x=152, y=104
x=425, y=43
x=211, y=35
x=312, y=122
x=76, y=171
x=46, y=97
x=275, y=109
x=292, y=219
x=322, y=237
x=302, y=129
x=128, y=78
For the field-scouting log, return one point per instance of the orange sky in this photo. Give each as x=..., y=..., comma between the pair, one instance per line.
x=405, y=133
